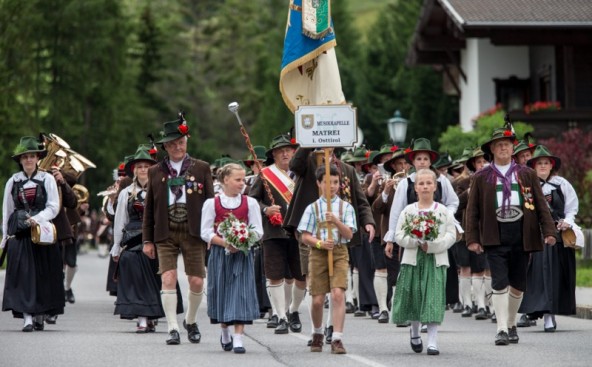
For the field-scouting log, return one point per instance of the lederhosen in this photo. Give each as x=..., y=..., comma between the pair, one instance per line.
x=508, y=261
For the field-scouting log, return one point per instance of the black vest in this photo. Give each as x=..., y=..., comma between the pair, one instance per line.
x=412, y=195
x=38, y=203
x=556, y=201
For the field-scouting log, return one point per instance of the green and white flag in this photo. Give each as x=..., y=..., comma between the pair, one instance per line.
x=316, y=18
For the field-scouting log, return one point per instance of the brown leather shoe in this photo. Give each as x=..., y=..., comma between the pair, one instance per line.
x=337, y=347
x=317, y=343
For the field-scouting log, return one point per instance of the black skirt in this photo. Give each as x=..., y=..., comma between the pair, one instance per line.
x=362, y=260
x=34, y=281
x=551, y=282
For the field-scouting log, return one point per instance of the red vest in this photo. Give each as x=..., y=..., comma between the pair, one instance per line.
x=241, y=212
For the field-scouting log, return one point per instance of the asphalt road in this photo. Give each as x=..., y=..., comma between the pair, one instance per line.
x=88, y=334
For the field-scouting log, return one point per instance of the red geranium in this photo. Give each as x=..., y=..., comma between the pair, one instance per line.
x=508, y=133
x=183, y=129
x=394, y=148
x=292, y=141
x=276, y=219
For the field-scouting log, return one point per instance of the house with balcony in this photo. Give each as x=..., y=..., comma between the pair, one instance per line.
x=513, y=53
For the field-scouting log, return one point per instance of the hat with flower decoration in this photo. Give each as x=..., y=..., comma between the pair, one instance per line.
x=398, y=154
x=384, y=150
x=371, y=154
x=280, y=141
x=418, y=146
x=524, y=144
x=506, y=132
x=359, y=155
x=28, y=144
x=542, y=151
x=142, y=155
x=477, y=152
x=173, y=130
x=444, y=161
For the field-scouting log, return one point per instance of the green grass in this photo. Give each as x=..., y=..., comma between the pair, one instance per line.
x=584, y=276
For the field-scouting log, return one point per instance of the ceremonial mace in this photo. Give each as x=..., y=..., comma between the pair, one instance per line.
x=275, y=219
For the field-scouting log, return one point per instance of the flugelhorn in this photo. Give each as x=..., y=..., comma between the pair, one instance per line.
x=60, y=155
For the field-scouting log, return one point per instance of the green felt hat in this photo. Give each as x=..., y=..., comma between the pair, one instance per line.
x=28, y=144
x=400, y=153
x=280, y=141
x=371, y=154
x=466, y=155
x=359, y=155
x=445, y=160
x=260, y=151
x=346, y=156
x=524, y=144
x=542, y=151
x=385, y=149
x=173, y=130
x=506, y=132
x=142, y=155
x=477, y=152
x=421, y=145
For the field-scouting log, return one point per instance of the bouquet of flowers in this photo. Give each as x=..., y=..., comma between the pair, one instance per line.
x=423, y=226
x=237, y=233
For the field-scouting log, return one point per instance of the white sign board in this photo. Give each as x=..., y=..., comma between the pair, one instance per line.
x=326, y=126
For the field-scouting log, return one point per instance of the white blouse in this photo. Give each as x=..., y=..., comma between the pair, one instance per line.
x=208, y=215
x=52, y=205
x=571, y=198
x=122, y=217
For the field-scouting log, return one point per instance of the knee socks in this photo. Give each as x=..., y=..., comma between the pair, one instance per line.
x=464, y=285
x=356, y=284
x=287, y=295
x=194, y=300
x=349, y=297
x=70, y=271
x=514, y=302
x=381, y=290
x=169, y=305
x=330, y=313
x=479, y=291
x=278, y=299
x=297, y=297
x=500, y=305
x=433, y=335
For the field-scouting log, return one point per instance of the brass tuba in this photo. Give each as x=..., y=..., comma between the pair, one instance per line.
x=81, y=193
x=59, y=154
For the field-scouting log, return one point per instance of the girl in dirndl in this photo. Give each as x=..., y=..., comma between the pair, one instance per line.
x=420, y=295
x=232, y=296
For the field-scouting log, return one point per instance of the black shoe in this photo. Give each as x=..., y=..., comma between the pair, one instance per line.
x=433, y=351
x=28, y=328
x=513, y=335
x=329, y=334
x=467, y=312
x=383, y=318
x=552, y=328
x=458, y=308
x=502, y=338
x=70, y=296
x=524, y=321
x=375, y=315
x=282, y=327
x=488, y=312
x=417, y=348
x=326, y=303
x=493, y=318
x=309, y=343
x=359, y=313
x=51, y=320
x=404, y=324
x=349, y=307
x=295, y=324
x=39, y=326
x=226, y=347
x=273, y=322
x=173, y=338
x=193, y=334
x=239, y=350
x=481, y=314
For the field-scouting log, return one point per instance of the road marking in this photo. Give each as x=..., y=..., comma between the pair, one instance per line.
x=355, y=357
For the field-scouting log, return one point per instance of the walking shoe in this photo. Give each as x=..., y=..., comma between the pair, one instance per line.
x=359, y=313
x=38, y=323
x=151, y=328
x=424, y=328
x=524, y=321
x=493, y=318
x=383, y=318
x=375, y=315
x=51, y=320
x=481, y=314
x=70, y=296
x=141, y=330
x=349, y=307
x=502, y=338
x=273, y=322
x=337, y=347
x=173, y=338
x=239, y=350
x=28, y=328
x=467, y=312
x=282, y=327
x=513, y=335
x=417, y=348
x=329, y=334
x=458, y=308
x=433, y=351
x=295, y=324
x=193, y=334
x=226, y=347
x=317, y=343
x=404, y=324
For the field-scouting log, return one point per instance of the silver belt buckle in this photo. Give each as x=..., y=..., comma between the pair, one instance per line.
x=512, y=214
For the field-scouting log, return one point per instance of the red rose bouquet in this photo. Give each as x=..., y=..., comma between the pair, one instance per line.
x=237, y=234
x=423, y=226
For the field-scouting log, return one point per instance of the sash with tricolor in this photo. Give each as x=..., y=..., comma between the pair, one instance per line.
x=310, y=74
x=280, y=181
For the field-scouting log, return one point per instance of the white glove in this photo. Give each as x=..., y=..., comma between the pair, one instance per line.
x=115, y=250
x=3, y=242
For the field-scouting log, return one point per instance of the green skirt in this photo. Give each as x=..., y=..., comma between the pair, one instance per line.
x=421, y=291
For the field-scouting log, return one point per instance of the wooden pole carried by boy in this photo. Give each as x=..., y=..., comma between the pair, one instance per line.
x=326, y=126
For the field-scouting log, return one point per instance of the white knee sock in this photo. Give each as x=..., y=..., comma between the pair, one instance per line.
x=194, y=300
x=415, y=329
x=356, y=285
x=237, y=340
x=142, y=321
x=169, y=305
x=381, y=290
x=278, y=299
x=349, y=297
x=513, y=306
x=464, y=285
x=479, y=290
x=273, y=310
x=28, y=319
x=548, y=320
x=287, y=295
x=70, y=271
x=297, y=298
x=225, y=335
x=500, y=304
x=330, y=313
x=433, y=335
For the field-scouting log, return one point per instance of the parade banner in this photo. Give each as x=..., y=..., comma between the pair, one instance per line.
x=326, y=126
x=309, y=73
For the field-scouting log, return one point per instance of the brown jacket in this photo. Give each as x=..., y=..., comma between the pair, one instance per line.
x=155, y=226
x=61, y=222
x=383, y=210
x=258, y=192
x=482, y=226
x=304, y=165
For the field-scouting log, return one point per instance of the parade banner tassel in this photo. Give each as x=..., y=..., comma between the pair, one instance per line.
x=309, y=73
